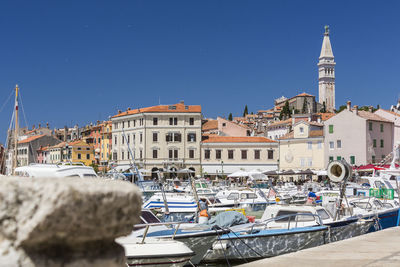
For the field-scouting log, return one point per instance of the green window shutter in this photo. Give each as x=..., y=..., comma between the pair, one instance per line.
x=338, y=157
x=381, y=142
x=373, y=159
x=374, y=142
x=352, y=159
x=370, y=126
x=330, y=128
x=330, y=158
x=381, y=128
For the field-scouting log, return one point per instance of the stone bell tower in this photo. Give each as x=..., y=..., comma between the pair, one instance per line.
x=326, y=74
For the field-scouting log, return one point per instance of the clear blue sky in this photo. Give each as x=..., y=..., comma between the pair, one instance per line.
x=80, y=61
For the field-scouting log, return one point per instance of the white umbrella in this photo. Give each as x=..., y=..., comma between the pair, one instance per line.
x=239, y=174
x=257, y=175
x=186, y=171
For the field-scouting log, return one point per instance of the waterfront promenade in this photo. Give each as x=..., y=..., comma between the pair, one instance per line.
x=374, y=249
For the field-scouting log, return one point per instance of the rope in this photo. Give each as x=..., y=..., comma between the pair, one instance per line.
x=4, y=104
x=258, y=254
x=222, y=247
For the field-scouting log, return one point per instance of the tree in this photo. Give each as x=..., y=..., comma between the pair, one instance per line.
x=323, y=109
x=246, y=111
x=341, y=108
x=230, y=117
x=304, y=109
x=285, y=112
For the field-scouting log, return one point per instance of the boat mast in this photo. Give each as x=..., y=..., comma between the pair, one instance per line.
x=16, y=130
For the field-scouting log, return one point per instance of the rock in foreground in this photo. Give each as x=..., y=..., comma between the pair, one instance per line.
x=65, y=222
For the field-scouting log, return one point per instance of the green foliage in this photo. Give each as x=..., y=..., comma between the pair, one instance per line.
x=246, y=111
x=304, y=108
x=296, y=111
x=95, y=167
x=230, y=117
x=341, y=108
x=285, y=112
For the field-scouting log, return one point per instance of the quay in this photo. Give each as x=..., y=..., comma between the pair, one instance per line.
x=375, y=249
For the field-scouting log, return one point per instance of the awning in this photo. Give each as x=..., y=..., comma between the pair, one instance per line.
x=213, y=169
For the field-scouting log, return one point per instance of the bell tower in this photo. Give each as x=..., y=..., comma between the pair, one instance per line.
x=326, y=74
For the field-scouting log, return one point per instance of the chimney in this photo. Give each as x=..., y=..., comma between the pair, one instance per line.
x=40, y=126
x=128, y=109
x=356, y=109
x=349, y=105
x=182, y=102
x=33, y=127
x=47, y=125
x=98, y=122
x=119, y=111
x=65, y=133
x=371, y=109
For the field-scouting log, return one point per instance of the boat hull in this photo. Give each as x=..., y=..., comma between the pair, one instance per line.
x=269, y=244
x=349, y=228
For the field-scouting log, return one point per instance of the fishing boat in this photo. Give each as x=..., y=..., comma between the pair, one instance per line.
x=60, y=170
x=262, y=240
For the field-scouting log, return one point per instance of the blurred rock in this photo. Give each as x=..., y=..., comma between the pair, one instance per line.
x=65, y=222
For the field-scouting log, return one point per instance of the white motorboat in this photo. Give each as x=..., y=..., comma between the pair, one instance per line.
x=59, y=170
x=155, y=252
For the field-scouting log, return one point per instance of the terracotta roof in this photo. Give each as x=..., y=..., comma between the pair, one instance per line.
x=326, y=116
x=288, y=121
x=237, y=139
x=303, y=94
x=30, y=139
x=43, y=148
x=210, y=125
x=391, y=112
x=78, y=142
x=178, y=108
x=315, y=133
x=315, y=123
x=371, y=116
x=62, y=144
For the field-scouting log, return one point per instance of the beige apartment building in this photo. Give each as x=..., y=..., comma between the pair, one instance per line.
x=302, y=148
x=163, y=136
x=224, y=127
x=223, y=155
x=360, y=137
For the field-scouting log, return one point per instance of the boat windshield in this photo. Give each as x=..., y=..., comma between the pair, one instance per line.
x=323, y=214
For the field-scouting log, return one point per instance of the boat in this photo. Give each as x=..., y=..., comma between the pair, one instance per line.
x=262, y=240
x=60, y=170
x=155, y=252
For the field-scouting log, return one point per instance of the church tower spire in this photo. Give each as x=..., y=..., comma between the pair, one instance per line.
x=326, y=74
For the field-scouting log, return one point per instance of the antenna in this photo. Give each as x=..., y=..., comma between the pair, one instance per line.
x=159, y=101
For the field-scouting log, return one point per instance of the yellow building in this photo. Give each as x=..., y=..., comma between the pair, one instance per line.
x=79, y=151
x=55, y=153
x=105, y=143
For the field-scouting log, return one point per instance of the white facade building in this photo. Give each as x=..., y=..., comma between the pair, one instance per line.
x=393, y=117
x=164, y=136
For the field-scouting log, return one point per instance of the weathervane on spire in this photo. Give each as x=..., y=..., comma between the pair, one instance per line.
x=326, y=30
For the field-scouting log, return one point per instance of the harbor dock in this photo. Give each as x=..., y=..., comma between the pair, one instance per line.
x=375, y=249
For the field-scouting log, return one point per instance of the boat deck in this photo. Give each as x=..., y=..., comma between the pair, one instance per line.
x=375, y=249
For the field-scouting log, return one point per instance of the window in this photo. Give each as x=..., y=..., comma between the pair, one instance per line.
x=233, y=196
x=129, y=124
x=128, y=138
x=223, y=124
x=191, y=137
x=309, y=145
x=79, y=156
x=330, y=158
x=122, y=155
x=319, y=144
x=177, y=137
x=176, y=154
x=155, y=137
x=115, y=140
x=115, y=156
x=338, y=157
x=173, y=121
x=155, y=121
x=218, y=153
x=207, y=153
x=141, y=154
x=374, y=142
x=270, y=154
x=352, y=160
x=373, y=159
x=331, y=145
x=383, y=156
x=122, y=140
x=79, y=148
x=155, y=153
x=302, y=162
x=141, y=138
x=134, y=123
x=309, y=162
x=170, y=154
x=381, y=142
x=230, y=154
x=370, y=126
x=191, y=121
x=330, y=128
x=244, y=154
x=168, y=137
x=191, y=153
x=381, y=128
x=87, y=156
x=256, y=154
x=133, y=138
x=339, y=143
x=301, y=130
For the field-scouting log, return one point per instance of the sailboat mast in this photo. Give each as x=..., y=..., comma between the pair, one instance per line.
x=16, y=130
